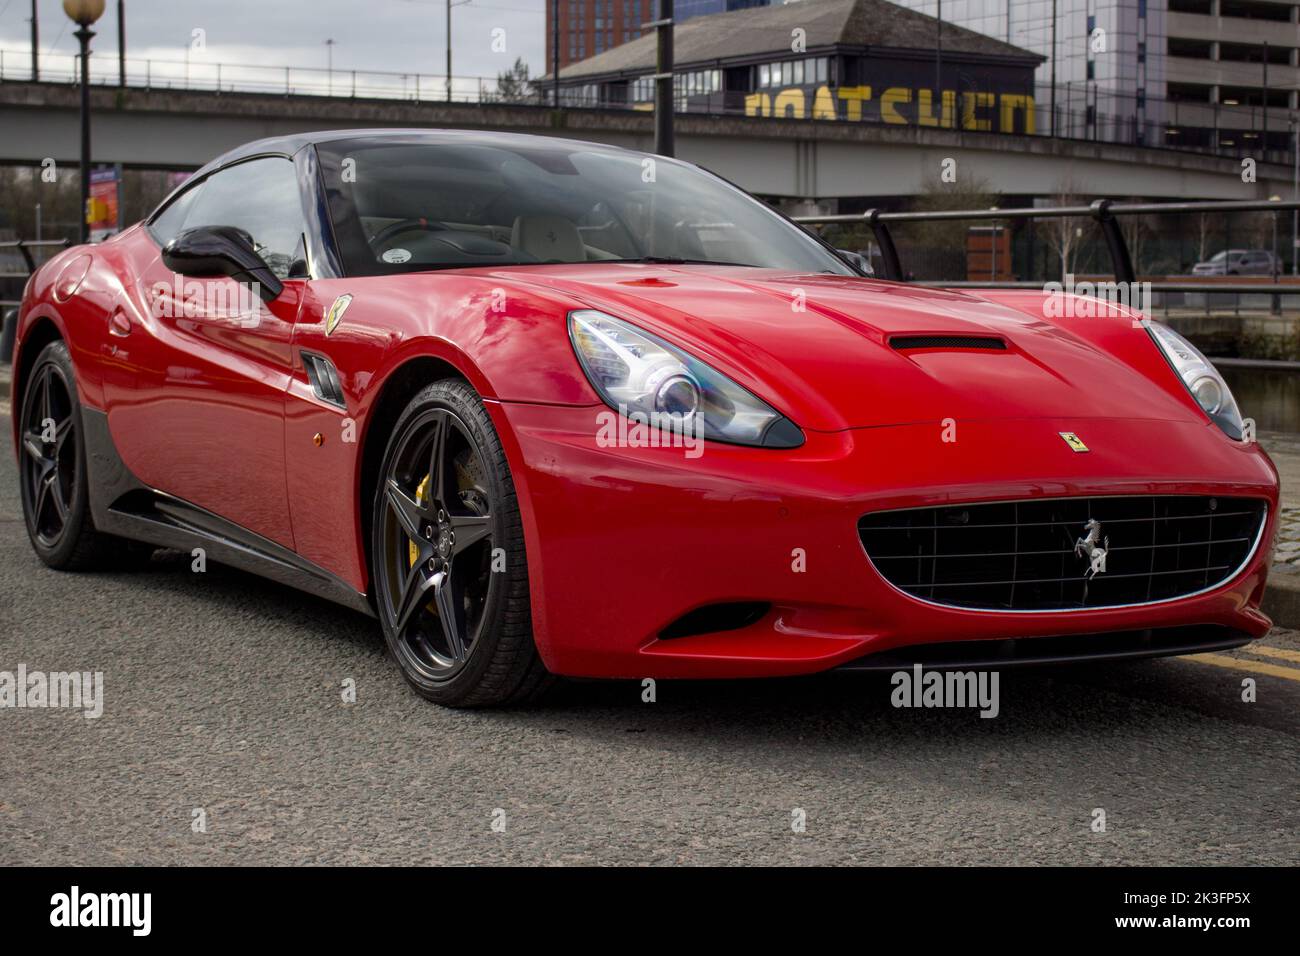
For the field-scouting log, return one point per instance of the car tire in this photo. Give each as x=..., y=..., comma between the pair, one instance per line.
x=52, y=474
x=463, y=639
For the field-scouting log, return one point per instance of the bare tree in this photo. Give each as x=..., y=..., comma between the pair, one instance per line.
x=938, y=249
x=1204, y=230
x=1135, y=230
x=1063, y=236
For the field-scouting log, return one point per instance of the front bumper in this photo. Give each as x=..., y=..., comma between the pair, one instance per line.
x=624, y=541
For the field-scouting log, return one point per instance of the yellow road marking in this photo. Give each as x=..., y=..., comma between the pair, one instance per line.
x=1257, y=667
x=1278, y=652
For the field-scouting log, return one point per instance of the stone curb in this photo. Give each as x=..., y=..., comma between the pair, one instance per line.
x=1282, y=597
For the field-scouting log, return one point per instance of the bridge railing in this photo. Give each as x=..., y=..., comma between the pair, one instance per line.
x=200, y=72
x=1239, y=131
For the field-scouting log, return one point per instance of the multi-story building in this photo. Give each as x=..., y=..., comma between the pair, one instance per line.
x=1105, y=56
x=590, y=27
x=1205, y=74
x=1233, y=68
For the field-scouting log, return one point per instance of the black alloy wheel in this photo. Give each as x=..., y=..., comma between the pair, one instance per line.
x=53, y=475
x=50, y=461
x=447, y=547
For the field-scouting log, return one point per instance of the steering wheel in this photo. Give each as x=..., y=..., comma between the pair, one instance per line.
x=405, y=225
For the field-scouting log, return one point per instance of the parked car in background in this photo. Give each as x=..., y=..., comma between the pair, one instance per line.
x=1239, y=262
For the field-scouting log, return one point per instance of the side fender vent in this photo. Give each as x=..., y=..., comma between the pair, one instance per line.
x=324, y=379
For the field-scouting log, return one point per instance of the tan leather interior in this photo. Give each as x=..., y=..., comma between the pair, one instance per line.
x=549, y=238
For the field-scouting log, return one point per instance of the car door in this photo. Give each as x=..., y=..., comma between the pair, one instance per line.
x=196, y=402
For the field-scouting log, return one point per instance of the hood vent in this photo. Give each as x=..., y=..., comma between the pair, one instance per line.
x=990, y=342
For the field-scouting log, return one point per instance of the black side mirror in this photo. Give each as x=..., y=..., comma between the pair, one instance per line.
x=221, y=251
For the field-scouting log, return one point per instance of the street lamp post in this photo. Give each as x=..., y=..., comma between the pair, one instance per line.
x=1276, y=301
x=664, y=104
x=36, y=44
x=121, y=43
x=1053, y=106
x=450, y=4
x=1295, y=196
x=938, y=59
x=84, y=13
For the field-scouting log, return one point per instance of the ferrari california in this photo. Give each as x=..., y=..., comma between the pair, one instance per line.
x=546, y=407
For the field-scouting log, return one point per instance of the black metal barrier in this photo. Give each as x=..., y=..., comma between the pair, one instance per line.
x=1104, y=212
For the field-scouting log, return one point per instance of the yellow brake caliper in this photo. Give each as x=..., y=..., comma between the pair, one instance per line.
x=421, y=494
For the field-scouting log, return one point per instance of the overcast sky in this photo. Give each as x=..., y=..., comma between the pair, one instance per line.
x=401, y=36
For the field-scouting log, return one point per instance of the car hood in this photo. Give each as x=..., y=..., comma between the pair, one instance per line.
x=823, y=349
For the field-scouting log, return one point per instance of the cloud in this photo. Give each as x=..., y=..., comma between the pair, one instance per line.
x=389, y=36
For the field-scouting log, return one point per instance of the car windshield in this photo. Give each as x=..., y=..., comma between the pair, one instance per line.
x=418, y=204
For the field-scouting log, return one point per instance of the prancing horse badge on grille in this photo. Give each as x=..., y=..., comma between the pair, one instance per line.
x=1088, y=547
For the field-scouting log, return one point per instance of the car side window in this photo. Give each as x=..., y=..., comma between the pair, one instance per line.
x=261, y=197
x=172, y=219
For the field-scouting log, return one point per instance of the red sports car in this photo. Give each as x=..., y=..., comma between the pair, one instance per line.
x=549, y=407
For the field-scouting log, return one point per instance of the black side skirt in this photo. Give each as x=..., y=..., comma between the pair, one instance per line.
x=122, y=505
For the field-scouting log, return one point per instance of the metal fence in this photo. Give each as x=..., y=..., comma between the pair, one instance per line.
x=18, y=260
x=200, y=72
x=1107, y=215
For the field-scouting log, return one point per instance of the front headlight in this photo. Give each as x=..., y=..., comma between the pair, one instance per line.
x=1201, y=378
x=639, y=374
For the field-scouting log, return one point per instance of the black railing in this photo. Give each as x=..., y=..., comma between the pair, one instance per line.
x=25, y=248
x=1104, y=212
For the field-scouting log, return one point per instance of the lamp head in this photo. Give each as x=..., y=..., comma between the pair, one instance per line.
x=83, y=12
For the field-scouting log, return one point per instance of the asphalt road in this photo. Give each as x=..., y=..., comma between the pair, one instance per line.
x=222, y=693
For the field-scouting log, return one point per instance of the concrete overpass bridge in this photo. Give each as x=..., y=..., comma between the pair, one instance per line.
x=792, y=159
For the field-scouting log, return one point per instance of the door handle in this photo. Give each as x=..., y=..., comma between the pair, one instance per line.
x=119, y=324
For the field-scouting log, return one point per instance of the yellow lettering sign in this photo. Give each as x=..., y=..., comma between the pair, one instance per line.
x=889, y=104
x=855, y=96
x=970, y=102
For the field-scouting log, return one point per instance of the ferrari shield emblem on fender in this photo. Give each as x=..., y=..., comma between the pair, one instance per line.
x=1074, y=441
x=335, y=314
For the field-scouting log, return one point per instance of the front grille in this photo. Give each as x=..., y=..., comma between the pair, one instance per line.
x=1021, y=555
